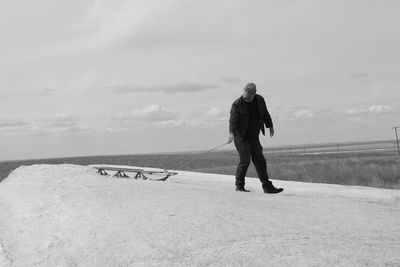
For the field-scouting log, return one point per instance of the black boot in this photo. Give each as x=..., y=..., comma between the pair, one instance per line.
x=241, y=189
x=269, y=188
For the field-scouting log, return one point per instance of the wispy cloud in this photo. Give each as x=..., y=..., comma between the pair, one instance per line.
x=214, y=112
x=35, y=93
x=169, y=88
x=58, y=124
x=152, y=113
x=304, y=113
x=57, y=120
x=153, y=116
x=372, y=109
x=379, y=108
x=200, y=117
x=11, y=124
x=356, y=111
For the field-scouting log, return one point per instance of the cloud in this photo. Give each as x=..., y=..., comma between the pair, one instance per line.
x=372, y=109
x=172, y=123
x=379, y=108
x=152, y=116
x=59, y=131
x=58, y=124
x=57, y=120
x=215, y=115
x=205, y=113
x=152, y=113
x=305, y=113
x=214, y=112
x=204, y=117
x=183, y=86
x=36, y=93
x=11, y=123
x=356, y=111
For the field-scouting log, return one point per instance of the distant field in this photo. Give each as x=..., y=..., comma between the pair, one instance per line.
x=385, y=146
x=376, y=168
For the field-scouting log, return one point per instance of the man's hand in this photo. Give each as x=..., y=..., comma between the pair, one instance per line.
x=230, y=138
x=271, y=131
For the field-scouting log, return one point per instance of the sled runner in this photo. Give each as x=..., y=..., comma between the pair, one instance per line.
x=154, y=174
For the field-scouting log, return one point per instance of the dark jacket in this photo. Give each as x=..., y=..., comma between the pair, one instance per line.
x=239, y=119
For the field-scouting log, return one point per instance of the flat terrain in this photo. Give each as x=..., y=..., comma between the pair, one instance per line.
x=66, y=215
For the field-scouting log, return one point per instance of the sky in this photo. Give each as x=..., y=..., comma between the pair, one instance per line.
x=124, y=77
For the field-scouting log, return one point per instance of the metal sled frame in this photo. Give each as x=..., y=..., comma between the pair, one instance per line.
x=140, y=173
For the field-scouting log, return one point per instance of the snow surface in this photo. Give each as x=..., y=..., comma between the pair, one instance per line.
x=67, y=215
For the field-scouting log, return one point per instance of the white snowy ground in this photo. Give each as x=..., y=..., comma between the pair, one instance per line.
x=66, y=215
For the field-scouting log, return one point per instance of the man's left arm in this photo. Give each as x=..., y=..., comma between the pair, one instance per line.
x=268, y=120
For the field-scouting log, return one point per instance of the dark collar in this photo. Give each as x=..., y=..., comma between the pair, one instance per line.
x=242, y=102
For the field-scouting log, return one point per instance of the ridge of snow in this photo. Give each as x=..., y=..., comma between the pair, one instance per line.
x=63, y=215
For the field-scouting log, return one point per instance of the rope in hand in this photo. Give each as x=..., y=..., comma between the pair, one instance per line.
x=217, y=147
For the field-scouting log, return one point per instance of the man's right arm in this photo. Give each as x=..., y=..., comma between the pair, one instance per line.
x=233, y=122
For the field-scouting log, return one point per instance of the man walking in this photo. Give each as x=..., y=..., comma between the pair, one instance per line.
x=248, y=115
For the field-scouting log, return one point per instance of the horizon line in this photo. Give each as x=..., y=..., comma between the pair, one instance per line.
x=295, y=146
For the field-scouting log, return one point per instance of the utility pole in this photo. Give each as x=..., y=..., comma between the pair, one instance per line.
x=397, y=138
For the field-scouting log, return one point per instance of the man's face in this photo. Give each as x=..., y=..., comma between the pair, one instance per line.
x=248, y=96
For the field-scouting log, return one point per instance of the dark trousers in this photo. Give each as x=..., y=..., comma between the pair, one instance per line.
x=251, y=149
